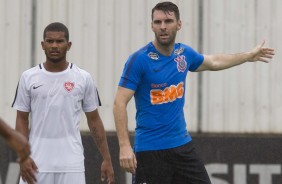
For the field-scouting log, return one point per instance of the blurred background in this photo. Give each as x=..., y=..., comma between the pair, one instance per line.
x=235, y=115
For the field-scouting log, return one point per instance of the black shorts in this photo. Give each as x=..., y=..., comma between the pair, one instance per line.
x=180, y=165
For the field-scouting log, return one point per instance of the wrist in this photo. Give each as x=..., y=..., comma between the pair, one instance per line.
x=124, y=143
x=107, y=158
x=249, y=56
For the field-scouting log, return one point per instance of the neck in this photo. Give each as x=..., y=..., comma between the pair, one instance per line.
x=56, y=66
x=165, y=50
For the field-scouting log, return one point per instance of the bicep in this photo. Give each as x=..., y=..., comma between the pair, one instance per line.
x=207, y=63
x=123, y=95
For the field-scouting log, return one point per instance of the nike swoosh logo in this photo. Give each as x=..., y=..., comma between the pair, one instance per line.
x=35, y=87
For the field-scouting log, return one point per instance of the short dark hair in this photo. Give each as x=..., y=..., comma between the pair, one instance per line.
x=56, y=27
x=167, y=7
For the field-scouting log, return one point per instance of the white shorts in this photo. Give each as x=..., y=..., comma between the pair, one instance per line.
x=59, y=178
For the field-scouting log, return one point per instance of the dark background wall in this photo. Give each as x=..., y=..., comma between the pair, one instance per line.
x=229, y=158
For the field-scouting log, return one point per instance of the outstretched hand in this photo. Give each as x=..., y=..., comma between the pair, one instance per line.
x=260, y=53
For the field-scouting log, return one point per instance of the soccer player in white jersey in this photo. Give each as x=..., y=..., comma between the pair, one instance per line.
x=15, y=140
x=53, y=94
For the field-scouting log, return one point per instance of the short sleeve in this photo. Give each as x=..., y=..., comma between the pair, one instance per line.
x=91, y=99
x=132, y=73
x=196, y=59
x=22, y=97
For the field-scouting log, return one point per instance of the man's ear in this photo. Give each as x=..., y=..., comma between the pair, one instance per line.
x=42, y=45
x=179, y=25
x=69, y=45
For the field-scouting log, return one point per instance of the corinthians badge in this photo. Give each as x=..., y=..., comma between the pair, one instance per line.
x=181, y=63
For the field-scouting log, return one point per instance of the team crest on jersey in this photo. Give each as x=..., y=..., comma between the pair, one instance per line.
x=179, y=51
x=69, y=86
x=153, y=55
x=181, y=63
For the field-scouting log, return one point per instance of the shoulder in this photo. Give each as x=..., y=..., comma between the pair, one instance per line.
x=184, y=48
x=79, y=71
x=81, y=74
x=188, y=51
x=32, y=71
x=141, y=54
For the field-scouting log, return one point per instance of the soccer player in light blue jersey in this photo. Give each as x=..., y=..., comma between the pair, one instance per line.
x=163, y=151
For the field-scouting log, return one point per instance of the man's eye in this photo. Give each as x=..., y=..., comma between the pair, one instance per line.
x=169, y=21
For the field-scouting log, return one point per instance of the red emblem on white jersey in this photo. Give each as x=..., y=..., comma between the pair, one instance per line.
x=69, y=86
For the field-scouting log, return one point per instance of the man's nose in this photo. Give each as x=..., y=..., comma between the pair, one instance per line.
x=163, y=25
x=54, y=45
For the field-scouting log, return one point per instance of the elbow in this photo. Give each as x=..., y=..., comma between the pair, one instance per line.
x=214, y=66
x=211, y=63
x=117, y=106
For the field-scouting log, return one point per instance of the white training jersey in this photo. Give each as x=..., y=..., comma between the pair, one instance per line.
x=55, y=101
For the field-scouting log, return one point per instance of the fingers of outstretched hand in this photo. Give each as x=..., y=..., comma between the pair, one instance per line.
x=261, y=44
x=261, y=53
x=266, y=54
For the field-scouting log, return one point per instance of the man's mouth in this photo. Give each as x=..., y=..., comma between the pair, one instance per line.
x=54, y=52
x=164, y=35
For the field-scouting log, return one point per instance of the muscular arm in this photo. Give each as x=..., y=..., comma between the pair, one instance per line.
x=5, y=130
x=224, y=61
x=15, y=140
x=99, y=136
x=127, y=157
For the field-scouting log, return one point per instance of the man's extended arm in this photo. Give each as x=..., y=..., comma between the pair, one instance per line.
x=224, y=61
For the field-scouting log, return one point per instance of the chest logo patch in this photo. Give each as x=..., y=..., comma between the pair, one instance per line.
x=181, y=63
x=69, y=86
x=179, y=51
x=153, y=56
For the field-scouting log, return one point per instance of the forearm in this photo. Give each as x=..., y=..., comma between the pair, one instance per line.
x=22, y=126
x=224, y=61
x=121, y=122
x=99, y=136
x=5, y=130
